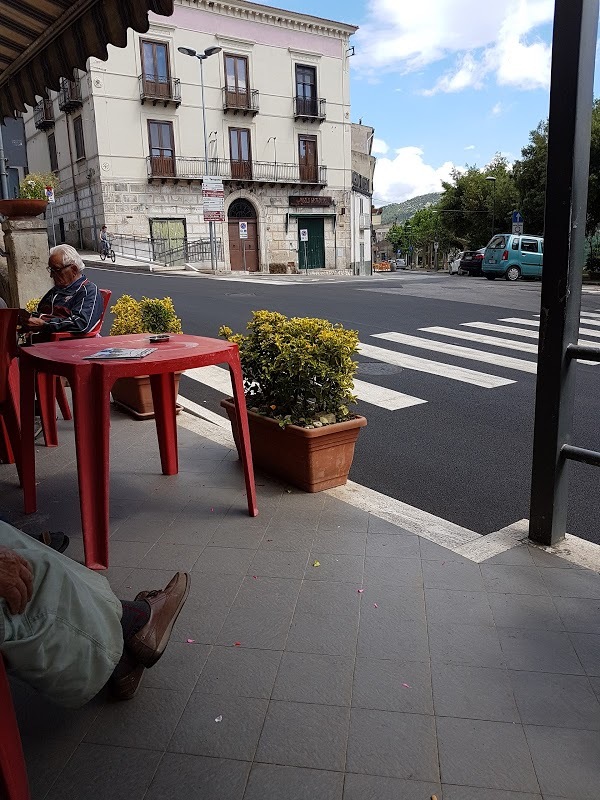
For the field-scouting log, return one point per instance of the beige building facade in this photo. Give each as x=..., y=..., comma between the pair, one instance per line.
x=126, y=140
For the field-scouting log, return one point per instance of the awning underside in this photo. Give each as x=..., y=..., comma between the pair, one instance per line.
x=42, y=41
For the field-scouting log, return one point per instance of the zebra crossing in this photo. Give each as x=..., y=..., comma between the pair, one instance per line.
x=518, y=335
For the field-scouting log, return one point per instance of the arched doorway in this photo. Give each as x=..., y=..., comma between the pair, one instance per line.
x=243, y=251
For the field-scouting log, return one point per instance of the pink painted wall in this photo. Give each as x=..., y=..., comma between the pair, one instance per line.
x=194, y=19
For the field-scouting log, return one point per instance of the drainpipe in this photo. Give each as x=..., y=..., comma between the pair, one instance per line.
x=90, y=175
x=3, y=178
x=75, y=194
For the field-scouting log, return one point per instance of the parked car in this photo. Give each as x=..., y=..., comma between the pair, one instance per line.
x=510, y=256
x=471, y=261
x=454, y=264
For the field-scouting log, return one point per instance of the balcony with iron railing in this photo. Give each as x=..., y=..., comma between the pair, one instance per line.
x=176, y=168
x=240, y=101
x=160, y=89
x=313, y=109
x=43, y=115
x=69, y=96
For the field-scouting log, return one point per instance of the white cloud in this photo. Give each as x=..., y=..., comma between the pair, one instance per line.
x=380, y=148
x=470, y=147
x=407, y=175
x=497, y=109
x=497, y=38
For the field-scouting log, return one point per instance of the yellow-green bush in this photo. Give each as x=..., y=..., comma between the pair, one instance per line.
x=297, y=370
x=148, y=315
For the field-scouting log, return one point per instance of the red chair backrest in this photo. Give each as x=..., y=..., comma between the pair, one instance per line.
x=106, y=293
x=8, y=346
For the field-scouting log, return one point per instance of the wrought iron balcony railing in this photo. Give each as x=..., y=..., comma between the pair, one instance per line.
x=43, y=115
x=159, y=89
x=181, y=168
x=69, y=96
x=310, y=108
x=240, y=101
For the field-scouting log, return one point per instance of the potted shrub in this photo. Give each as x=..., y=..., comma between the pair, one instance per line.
x=148, y=315
x=32, y=196
x=298, y=380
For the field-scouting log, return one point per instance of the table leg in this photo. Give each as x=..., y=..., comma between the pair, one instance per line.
x=237, y=383
x=91, y=408
x=27, y=406
x=163, y=399
x=46, y=397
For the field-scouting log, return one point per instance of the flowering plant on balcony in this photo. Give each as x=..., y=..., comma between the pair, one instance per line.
x=33, y=186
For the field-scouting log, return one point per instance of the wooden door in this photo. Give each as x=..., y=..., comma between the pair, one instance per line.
x=155, y=69
x=311, y=253
x=308, y=159
x=236, y=82
x=162, y=149
x=240, y=153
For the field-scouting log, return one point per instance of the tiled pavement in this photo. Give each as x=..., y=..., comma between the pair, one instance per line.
x=441, y=676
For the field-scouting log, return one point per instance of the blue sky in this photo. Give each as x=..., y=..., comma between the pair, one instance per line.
x=444, y=82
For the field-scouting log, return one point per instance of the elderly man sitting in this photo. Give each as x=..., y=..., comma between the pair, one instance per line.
x=64, y=632
x=73, y=305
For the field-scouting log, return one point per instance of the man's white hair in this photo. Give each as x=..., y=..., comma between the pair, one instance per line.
x=70, y=256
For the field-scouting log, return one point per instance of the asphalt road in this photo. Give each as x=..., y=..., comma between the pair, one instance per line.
x=463, y=455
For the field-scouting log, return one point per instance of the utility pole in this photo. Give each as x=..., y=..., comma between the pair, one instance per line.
x=89, y=176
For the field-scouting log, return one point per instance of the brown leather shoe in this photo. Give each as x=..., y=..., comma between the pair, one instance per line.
x=149, y=643
x=125, y=687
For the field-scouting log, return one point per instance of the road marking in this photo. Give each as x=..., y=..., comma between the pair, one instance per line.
x=458, y=351
x=433, y=367
x=218, y=378
x=383, y=397
x=592, y=314
x=535, y=324
x=491, y=326
x=470, y=336
x=495, y=341
x=590, y=321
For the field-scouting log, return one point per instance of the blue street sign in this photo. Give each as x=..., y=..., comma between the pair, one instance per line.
x=517, y=218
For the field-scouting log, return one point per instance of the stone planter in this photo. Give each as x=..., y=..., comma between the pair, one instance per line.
x=134, y=395
x=311, y=459
x=19, y=208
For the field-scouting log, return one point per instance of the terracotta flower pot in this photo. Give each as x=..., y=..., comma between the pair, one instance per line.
x=312, y=459
x=21, y=207
x=134, y=395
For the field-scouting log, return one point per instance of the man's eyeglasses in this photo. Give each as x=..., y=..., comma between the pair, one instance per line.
x=56, y=269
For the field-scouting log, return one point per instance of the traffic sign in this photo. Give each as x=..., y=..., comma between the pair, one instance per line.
x=303, y=235
x=436, y=245
x=50, y=194
x=243, y=230
x=213, y=199
x=517, y=218
x=517, y=228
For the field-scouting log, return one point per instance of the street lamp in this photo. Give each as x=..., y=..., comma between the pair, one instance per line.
x=493, y=180
x=210, y=51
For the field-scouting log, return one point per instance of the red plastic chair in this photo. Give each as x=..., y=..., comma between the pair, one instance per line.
x=10, y=428
x=13, y=772
x=50, y=389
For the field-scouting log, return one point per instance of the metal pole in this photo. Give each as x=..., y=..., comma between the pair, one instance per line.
x=494, y=210
x=211, y=232
x=571, y=95
x=52, y=220
x=3, y=176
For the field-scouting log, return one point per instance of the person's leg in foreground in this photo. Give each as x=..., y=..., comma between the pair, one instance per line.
x=64, y=632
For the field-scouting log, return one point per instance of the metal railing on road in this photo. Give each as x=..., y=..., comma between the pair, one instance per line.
x=165, y=251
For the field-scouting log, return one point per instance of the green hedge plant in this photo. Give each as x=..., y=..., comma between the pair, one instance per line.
x=297, y=370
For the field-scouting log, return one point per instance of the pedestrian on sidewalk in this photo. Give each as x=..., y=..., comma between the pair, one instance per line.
x=64, y=632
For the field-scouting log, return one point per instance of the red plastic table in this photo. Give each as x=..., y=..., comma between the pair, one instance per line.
x=91, y=382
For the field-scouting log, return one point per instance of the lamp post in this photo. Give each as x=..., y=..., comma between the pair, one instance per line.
x=493, y=180
x=210, y=51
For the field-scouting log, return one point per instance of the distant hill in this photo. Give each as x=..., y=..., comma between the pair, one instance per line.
x=403, y=211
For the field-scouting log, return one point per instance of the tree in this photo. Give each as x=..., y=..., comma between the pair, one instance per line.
x=530, y=179
x=472, y=205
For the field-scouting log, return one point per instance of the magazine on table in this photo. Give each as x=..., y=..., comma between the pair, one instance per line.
x=110, y=353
